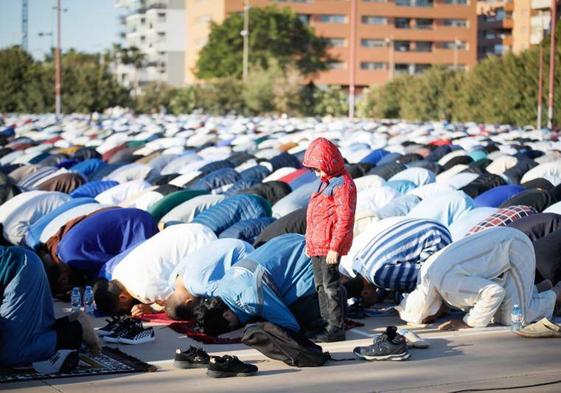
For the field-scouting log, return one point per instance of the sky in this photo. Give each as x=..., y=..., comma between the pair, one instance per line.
x=87, y=25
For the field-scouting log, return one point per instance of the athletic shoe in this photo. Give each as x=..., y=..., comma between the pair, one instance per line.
x=192, y=358
x=387, y=346
x=412, y=339
x=137, y=334
x=112, y=324
x=122, y=329
x=229, y=366
x=63, y=361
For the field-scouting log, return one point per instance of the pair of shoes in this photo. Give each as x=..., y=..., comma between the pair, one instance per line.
x=387, y=346
x=130, y=331
x=543, y=328
x=217, y=366
x=330, y=334
x=229, y=366
x=63, y=361
x=192, y=358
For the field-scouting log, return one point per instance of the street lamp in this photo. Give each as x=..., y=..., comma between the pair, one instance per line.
x=245, y=34
x=552, y=64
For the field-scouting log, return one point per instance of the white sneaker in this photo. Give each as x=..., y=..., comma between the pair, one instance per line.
x=63, y=361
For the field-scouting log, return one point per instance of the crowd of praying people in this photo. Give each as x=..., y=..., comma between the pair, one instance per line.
x=230, y=222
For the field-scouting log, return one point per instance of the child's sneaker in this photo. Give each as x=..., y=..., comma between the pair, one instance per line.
x=137, y=334
x=108, y=329
x=192, y=358
x=229, y=366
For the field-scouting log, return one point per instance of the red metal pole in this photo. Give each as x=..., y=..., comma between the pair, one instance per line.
x=352, y=60
x=58, y=103
x=552, y=65
x=540, y=90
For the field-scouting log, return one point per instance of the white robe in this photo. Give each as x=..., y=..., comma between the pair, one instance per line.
x=485, y=274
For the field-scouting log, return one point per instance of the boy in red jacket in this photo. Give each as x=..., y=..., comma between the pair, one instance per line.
x=329, y=233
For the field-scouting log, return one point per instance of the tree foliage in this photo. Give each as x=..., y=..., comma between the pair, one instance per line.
x=275, y=35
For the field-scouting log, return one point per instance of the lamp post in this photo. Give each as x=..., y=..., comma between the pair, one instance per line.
x=540, y=80
x=552, y=65
x=58, y=78
x=245, y=34
x=352, y=60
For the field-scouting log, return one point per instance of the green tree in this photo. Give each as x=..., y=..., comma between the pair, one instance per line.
x=274, y=34
x=333, y=100
x=155, y=97
x=21, y=84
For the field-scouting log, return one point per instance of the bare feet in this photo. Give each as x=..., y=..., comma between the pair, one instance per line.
x=545, y=285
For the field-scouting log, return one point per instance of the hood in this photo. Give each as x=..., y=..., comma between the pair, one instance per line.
x=323, y=154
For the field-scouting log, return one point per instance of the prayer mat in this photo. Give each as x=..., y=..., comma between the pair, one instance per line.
x=190, y=330
x=109, y=361
x=160, y=318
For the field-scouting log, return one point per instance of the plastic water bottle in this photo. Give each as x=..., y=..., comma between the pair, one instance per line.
x=516, y=318
x=75, y=299
x=89, y=300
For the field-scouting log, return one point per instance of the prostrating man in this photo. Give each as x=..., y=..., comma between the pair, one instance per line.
x=29, y=331
x=198, y=274
x=139, y=277
x=79, y=249
x=389, y=253
x=485, y=275
x=273, y=283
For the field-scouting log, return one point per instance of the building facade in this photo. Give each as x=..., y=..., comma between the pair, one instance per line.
x=157, y=29
x=392, y=36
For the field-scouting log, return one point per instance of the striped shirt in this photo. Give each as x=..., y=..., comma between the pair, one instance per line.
x=391, y=258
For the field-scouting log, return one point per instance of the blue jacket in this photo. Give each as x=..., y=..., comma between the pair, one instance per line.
x=374, y=156
x=214, y=166
x=101, y=236
x=87, y=167
x=232, y=210
x=255, y=173
x=92, y=189
x=285, y=160
x=216, y=180
x=26, y=315
x=247, y=230
x=496, y=196
x=269, y=280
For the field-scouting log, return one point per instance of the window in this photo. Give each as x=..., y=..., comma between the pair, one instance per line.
x=454, y=22
x=374, y=20
x=414, y=3
x=332, y=18
x=161, y=16
x=337, y=42
x=404, y=3
x=337, y=65
x=402, y=46
x=423, y=46
x=424, y=24
x=372, y=43
x=401, y=68
x=402, y=23
x=372, y=65
x=374, y=1
x=456, y=2
x=462, y=45
x=305, y=19
x=419, y=68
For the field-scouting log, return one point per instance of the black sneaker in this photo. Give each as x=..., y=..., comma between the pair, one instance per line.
x=192, y=358
x=121, y=329
x=387, y=346
x=112, y=324
x=137, y=334
x=229, y=366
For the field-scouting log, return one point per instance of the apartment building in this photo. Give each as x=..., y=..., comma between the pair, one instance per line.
x=495, y=27
x=392, y=36
x=157, y=28
x=532, y=18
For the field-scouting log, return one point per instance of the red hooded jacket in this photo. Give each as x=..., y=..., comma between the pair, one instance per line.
x=331, y=211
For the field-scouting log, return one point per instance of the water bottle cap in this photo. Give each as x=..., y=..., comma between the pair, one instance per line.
x=516, y=305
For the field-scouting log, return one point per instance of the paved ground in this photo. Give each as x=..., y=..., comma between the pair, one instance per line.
x=469, y=359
